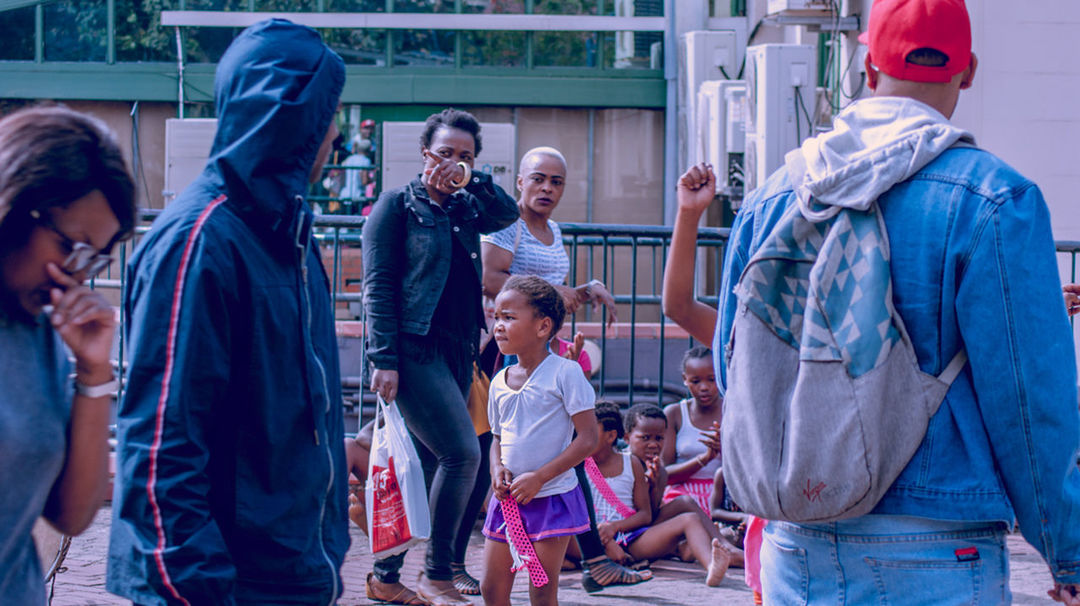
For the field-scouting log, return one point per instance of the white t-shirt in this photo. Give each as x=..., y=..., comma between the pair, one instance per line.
x=533, y=423
x=354, y=188
x=533, y=257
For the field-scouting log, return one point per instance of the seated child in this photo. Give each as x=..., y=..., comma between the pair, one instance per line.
x=646, y=426
x=357, y=451
x=723, y=509
x=692, y=442
x=624, y=514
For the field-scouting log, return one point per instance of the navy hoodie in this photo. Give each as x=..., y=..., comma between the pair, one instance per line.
x=231, y=484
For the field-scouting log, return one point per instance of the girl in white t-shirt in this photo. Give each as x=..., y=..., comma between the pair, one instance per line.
x=534, y=408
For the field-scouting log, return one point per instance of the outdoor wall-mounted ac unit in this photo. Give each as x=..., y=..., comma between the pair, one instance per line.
x=722, y=136
x=401, y=160
x=781, y=92
x=187, y=147
x=800, y=7
x=706, y=55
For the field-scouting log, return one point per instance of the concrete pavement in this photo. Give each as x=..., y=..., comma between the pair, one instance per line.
x=82, y=581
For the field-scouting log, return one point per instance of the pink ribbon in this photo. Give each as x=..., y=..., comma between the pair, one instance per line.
x=605, y=490
x=519, y=540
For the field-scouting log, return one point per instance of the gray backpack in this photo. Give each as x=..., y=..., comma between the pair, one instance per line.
x=825, y=401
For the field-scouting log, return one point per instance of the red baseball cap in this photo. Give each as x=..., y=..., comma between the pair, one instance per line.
x=898, y=27
x=368, y=122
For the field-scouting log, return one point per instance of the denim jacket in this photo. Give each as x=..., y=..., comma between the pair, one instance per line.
x=973, y=266
x=407, y=256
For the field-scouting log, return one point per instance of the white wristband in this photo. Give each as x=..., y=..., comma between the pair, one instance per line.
x=589, y=286
x=97, y=391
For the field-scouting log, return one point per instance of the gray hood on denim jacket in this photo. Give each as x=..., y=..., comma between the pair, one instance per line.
x=875, y=144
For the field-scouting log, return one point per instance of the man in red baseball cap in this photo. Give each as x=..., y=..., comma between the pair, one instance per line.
x=917, y=44
x=973, y=269
x=900, y=30
x=367, y=133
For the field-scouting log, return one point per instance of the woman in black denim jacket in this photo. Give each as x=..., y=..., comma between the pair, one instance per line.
x=422, y=288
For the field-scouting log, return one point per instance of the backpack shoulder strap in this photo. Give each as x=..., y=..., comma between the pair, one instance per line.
x=954, y=367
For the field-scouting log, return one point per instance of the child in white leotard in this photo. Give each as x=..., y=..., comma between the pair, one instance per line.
x=692, y=442
x=621, y=498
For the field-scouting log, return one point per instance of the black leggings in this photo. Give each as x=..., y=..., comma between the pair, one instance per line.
x=476, y=500
x=433, y=381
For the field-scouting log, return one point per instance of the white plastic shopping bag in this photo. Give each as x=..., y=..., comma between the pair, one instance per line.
x=396, y=495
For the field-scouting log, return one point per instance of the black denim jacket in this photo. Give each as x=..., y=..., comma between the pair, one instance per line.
x=407, y=256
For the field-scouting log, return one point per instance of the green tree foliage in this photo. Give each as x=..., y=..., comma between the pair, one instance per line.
x=76, y=31
x=572, y=49
x=139, y=34
x=17, y=34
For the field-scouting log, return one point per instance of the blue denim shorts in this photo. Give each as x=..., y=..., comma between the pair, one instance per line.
x=885, y=560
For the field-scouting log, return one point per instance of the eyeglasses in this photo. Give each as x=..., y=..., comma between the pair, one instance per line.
x=81, y=256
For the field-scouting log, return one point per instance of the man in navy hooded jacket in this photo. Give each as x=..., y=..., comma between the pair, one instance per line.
x=231, y=485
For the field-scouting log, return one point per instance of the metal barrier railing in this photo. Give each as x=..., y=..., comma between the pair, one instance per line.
x=629, y=259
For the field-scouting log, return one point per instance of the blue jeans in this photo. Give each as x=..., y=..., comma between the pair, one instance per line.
x=878, y=559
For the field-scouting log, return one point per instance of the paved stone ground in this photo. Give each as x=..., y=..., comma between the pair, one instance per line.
x=83, y=580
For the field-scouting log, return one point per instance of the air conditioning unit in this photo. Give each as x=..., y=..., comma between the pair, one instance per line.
x=781, y=92
x=800, y=7
x=187, y=148
x=722, y=138
x=706, y=55
x=401, y=160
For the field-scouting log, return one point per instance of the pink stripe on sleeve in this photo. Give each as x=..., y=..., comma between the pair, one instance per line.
x=166, y=383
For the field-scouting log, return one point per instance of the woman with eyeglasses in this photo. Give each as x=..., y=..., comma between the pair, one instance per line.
x=66, y=200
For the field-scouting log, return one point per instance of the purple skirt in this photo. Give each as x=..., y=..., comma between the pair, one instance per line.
x=544, y=517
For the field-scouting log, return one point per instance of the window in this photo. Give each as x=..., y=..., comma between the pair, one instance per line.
x=139, y=34
x=498, y=49
x=17, y=34
x=76, y=31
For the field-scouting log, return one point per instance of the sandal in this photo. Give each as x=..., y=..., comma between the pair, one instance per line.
x=443, y=598
x=605, y=573
x=734, y=535
x=403, y=596
x=464, y=582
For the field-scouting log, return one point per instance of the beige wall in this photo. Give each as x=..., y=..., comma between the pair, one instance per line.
x=117, y=115
x=152, y=116
x=627, y=160
x=1023, y=104
x=567, y=131
x=629, y=174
